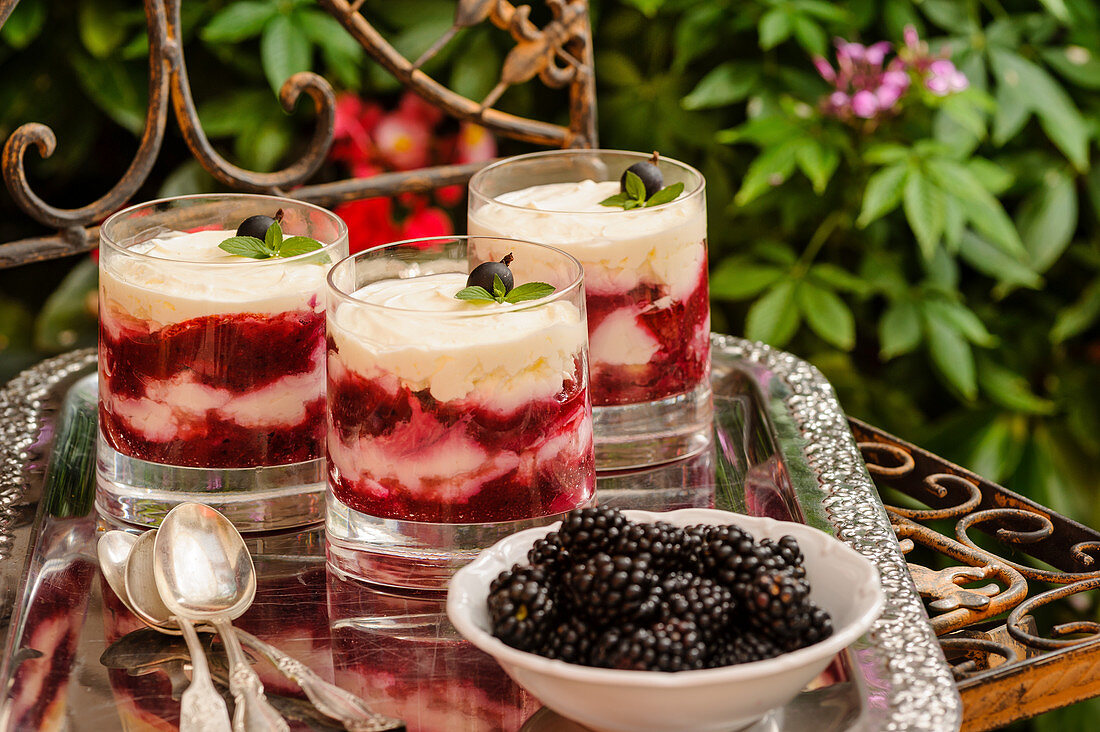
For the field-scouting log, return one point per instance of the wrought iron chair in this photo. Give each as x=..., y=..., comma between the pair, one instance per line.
x=1005, y=667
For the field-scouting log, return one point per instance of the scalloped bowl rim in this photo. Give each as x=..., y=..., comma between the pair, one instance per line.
x=470, y=586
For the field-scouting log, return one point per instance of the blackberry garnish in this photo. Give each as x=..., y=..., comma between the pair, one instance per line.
x=520, y=607
x=589, y=531
x=483, y=274
x=257, y=226
x=650, y=174
x=609, y=589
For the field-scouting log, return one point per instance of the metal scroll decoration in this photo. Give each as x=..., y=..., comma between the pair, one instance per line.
x=558, y=53
x=984, y=558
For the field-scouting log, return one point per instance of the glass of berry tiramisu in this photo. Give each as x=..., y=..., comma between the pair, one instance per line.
x=458, y=403
x=637, y=223
x=212, y=358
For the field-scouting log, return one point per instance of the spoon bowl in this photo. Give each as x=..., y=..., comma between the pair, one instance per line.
x=113, y=550
x=202, y=567
x=140, y=586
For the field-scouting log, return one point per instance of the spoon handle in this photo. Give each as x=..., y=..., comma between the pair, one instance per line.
x=252, y=712
x=329, y=699
x=201, y=706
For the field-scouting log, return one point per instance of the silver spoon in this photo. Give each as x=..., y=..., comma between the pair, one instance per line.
x=201, y=706
x=330, y=700
x=204, y=573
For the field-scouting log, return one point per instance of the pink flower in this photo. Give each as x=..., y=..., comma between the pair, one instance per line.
x=943, y=78
x=864, y=104
x=912, y=40
x=475, y=144
x=404, y=141
x=876, y=53
x=412, y=106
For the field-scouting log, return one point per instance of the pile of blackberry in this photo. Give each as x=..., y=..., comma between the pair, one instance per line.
x=604, y=591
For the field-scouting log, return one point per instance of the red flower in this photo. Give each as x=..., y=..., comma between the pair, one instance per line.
x=370, y=223
x=403, y=140
x=428, y=221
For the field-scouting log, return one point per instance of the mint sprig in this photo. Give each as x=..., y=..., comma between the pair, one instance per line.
x=272, y=245
x=634, y=195
x=521, y=293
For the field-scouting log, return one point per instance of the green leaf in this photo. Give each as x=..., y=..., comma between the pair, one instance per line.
x=994, y=178
x=883, y=193
x=725, y=84
x=65, y=320
x=239, y=21
x=529, y=291
x=1012, y=113
x=951, y=355
x=885, y=153
x=475, y=73
x=923, y=204
x=114, y=88
x=261, y=146
x=1058, y=9
x=648, y=8
x=101, y=31
x=828, y=315
x=982, y=209
x=775, y=27
x=1077, y=64
x=993, y=262
x=1009, y=389
x=617, y=69
x=769, y=169
x=284, y=51
x=273, y=237
x=619, y=199
x=475, y=294
x=735, y=280
x=665, y=195
x=774, y=318
x=634, y=186
x=899, y=330
x=1048, y=219
x=325, y=31
x=809, y=35
x=24, y=24
x=962, y=319
x=1057, y=114
x=818, y=162
x=1079, y=316
x=295, y=245
x=247, y=246
x=837, y=278
x=954, y=223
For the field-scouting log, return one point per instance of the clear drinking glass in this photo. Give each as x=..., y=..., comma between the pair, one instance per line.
x=451, y=423
x=211, y=366
x=646, y=282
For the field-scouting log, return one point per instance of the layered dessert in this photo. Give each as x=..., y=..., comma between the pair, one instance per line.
x=645, y=271
x=454, y=411
x=211, y=359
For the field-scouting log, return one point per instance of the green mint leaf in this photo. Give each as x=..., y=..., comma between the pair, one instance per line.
x=498, y=289
x=529, y=291
x=634, y=186
x=619, y=199
x=632, y=204
x=474, y=294
x=296, y=245
x=666, y=194
x=274, y=237
x=246, y=246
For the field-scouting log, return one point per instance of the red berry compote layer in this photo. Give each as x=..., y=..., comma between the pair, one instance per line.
x=446, y=411
x=645, y=275
x=211, y=360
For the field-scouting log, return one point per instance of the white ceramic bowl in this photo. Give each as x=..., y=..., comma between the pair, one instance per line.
x=842, y=582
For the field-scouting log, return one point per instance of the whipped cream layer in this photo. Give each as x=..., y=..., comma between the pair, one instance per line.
x=664, y=245
x=186, y=275
x=415, y=331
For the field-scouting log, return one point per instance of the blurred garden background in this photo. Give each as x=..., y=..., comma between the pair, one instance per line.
x=904, y=192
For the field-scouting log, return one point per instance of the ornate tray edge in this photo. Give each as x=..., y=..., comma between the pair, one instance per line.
x=919, y=692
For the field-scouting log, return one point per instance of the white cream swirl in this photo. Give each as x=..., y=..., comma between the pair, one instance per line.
x=415, y=331
x=663, y=245
x=186, y=275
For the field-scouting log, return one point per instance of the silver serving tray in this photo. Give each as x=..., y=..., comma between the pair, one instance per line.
x=781, y=447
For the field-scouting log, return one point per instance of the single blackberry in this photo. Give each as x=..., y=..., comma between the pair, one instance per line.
x=741, y=647
x=520, y=607
x=789, y=553
x=588, y=531
x=679, y=646
x=690, y=548
x=820, y=628
x=570, y=640
x=702, y=601
x=549, y=554
x=618, y=588
x=627, y=648
x=650, y=541
x=732, y=557
x=776, y=603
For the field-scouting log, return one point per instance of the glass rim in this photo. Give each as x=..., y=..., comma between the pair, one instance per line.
x=575, y=284
x=685, y=197
x=106, y=240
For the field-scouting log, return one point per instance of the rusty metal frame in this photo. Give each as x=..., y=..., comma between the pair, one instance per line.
x=558, y=53
x=1009, y=664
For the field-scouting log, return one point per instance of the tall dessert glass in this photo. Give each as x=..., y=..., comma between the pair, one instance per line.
x=646, y=280
x=452, y=423
x=211, y=365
